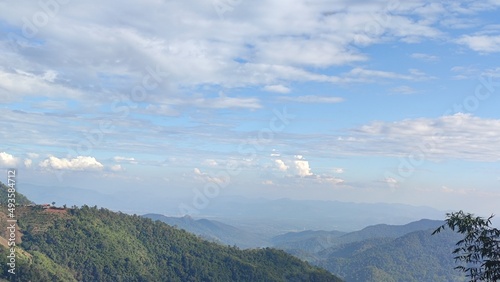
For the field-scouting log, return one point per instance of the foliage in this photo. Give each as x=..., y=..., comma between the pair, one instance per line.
x=20, y=198
x=416, y=257
x=91, y=244
x=381, y=252
x=479, y=250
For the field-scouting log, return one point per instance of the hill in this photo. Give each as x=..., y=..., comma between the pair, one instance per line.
x=213, y=231
x=380, y=252
x=20, y=198
x=414, y=257
x=91, y=244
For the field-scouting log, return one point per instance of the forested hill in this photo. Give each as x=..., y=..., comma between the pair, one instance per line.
x=20, y=198
x=90, y=244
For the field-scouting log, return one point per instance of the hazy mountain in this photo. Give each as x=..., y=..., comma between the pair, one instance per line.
x=214, y=231
x=274, y=217
x=263, y=216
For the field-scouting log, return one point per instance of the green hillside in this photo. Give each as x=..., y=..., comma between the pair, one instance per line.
x=417, y=257
x=20, y=198
x=381, y=252
x=90, y=244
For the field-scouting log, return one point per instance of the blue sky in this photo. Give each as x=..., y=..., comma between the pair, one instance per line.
x=377, y=101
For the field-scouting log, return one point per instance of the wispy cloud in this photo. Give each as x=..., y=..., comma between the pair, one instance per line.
x=481, y=43
x=313, y=99
x=403, y=90
x=278, y=88
x=425, y=57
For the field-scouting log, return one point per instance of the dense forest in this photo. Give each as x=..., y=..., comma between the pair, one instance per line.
x=91, y=244
x=380, y=252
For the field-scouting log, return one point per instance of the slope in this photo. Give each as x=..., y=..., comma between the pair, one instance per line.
x=90, y=244
x=417, y=256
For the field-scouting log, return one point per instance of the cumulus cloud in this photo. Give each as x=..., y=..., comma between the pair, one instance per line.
x=281, y=165
x=301, y=167
x=28, y=163
x=80, y=163
x=8, y=160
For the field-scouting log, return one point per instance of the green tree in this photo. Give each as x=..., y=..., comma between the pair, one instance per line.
x=479, y=250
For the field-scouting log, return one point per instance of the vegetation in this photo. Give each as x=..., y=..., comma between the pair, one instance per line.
x=20, y=198
x=479, y=250
x=382, y=253
x=91, y=244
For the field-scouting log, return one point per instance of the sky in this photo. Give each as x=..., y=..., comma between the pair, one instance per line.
x=357, y=101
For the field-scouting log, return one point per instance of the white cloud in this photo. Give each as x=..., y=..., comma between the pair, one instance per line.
x=329, y=179
x=406, y=90
x=117, y=168
x=78, y=163
x=8, y=160
x=481, y=43
x=281, y=165
x=33, y=155
x=210, y=162
x=313, y=99
x=458, y=136
x=338, y=170
x=120, y=159
x=301, y=167
x=359, y=74
x=391, y=181
x=28, y=163
x=425, y=57
x=205, y=177
x=278, y=88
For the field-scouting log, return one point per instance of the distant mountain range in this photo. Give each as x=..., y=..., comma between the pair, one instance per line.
x=256, y=215
x=274, y=217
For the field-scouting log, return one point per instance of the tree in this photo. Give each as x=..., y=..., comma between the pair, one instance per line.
x=479, y=251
